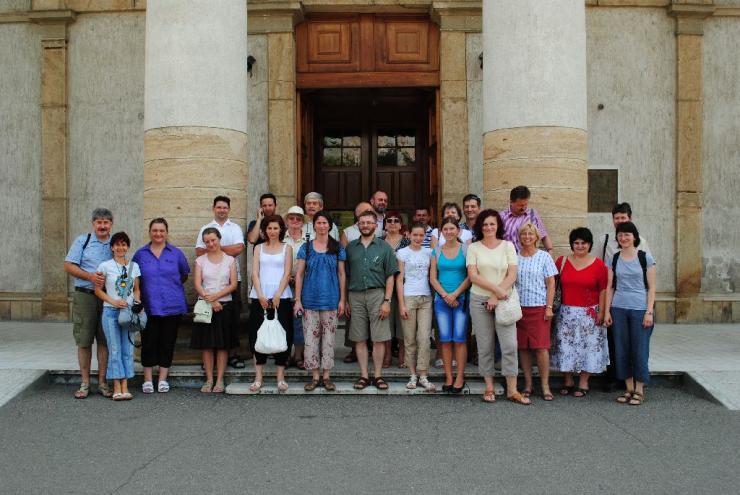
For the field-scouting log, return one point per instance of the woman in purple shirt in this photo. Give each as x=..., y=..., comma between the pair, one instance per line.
x=164, y=269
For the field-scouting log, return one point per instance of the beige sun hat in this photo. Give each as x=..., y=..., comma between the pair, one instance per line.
x=295, y=210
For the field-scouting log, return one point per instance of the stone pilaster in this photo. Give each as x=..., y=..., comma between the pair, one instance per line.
x=689, y=185
x=54, y=172
x=455, y=21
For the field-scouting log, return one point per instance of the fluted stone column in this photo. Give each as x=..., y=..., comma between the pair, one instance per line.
x=196, y=112
x=534, y=115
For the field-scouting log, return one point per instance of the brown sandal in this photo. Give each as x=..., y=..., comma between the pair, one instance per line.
x=519, y=399
x=311, y=386
x=625, y=397
x=489, y=396
x=329, y=385
x=380, y=384
x=637, y=399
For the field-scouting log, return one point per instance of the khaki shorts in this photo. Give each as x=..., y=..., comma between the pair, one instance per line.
x=87, y=311
x=365, y=312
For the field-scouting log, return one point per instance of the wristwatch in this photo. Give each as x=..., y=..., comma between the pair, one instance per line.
x=387, y=300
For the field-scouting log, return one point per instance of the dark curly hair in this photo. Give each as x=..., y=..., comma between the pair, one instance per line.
x=478, y=229
x=583, y=234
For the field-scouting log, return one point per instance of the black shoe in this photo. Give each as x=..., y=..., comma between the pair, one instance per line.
x=447, y=388
x=457, y=390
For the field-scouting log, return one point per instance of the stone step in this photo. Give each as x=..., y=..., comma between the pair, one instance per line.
x=346, y=388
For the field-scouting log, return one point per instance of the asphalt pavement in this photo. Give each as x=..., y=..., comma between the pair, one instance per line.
x=187, y=442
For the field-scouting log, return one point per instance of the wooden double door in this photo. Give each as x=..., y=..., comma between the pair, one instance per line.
x=366, y=140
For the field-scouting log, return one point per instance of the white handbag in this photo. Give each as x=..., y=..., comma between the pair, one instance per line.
x=508, y=311
x=202, y=311
x=271, y=337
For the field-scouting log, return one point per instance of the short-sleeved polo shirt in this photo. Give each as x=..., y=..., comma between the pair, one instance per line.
x=94, y=254
x=370, y=266
x=231, y=234
x=512, y=224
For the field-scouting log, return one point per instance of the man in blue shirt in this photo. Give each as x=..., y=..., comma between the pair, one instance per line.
x=82, y=260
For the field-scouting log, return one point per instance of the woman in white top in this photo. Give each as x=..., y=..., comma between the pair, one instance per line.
x=450, y=210
x=415, y=306
x=492, y=268
x=271, y=294
x=121, y=291
x=215, y=280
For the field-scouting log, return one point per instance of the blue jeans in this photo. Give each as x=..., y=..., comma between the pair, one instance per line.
x=631, y=344
x=120, y=349
x=452, y=323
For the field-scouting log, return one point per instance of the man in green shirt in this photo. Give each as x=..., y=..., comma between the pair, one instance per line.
x=372, y=267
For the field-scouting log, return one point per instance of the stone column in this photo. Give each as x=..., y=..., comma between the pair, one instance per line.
x=196, y=113
x=54, y=193
x=689, y=184
x=534, y=108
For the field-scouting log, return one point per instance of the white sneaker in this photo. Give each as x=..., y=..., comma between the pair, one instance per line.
x=412, y=382
x=428, y=386
x=163, y=387
x=147, y=387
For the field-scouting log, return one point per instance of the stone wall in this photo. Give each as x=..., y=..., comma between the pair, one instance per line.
x=631, y=71
x=20, y=157
x=474, y=47
x=721, y=156
x=106, y=120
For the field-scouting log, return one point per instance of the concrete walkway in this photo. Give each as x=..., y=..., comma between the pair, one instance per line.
x=708, y=354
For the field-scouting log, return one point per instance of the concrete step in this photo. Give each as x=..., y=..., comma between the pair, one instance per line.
x=346, y=388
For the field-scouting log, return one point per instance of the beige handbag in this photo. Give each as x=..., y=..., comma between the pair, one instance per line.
x=202, y=311
x=508, y=311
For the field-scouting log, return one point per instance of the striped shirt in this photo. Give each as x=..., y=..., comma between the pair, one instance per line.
x=530, y=279
x=512, y=224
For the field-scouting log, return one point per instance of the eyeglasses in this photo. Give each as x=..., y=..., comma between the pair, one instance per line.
x=392, y=220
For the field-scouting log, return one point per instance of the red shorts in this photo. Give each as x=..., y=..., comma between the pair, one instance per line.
x=533, y=331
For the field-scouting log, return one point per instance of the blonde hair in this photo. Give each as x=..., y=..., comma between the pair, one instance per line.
x=529, y=227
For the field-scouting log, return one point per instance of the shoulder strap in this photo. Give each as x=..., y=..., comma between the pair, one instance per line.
x=614, y=269
x=82, y=251
x=606, y=242
x=643, y=263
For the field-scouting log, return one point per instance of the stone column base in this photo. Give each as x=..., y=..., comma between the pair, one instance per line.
x=551, y=162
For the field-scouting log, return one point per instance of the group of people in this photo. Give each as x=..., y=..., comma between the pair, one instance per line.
x=411, y=283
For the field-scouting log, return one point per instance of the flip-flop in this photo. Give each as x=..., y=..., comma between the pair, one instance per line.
x=218, y=388
x=207, y=388
x=519, y=399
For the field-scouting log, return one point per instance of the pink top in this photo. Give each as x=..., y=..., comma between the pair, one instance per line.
x=582, y=287
x=215, y=277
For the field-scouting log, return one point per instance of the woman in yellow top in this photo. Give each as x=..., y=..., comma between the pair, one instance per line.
x=492, y=268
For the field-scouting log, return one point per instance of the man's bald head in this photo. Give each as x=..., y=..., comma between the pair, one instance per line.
x=362, y=207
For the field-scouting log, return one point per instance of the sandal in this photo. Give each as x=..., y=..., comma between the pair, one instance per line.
x=625, y=397
x=163, y=386
x=105, y=391
x=402, y=365
x=218, y=388
x=547, y=397
x=329, y=385
x=282, y=386
x=519, y=399
x=580, y=392
x=118, y=396
x=147, y=387
x=637, y=399
x=361, y=383
x=311, y=386
x=300, y=365
x=350, y=358
x=489, y=396
x=207, y=387
x=127, y=396
x=83, y=391
x=567, y=390
x=255, y=387
x=526, y=392
x=380, y=384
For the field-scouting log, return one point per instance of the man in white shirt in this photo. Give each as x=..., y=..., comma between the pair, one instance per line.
x=232, y=243
x=313, y=203
x=353, y=231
